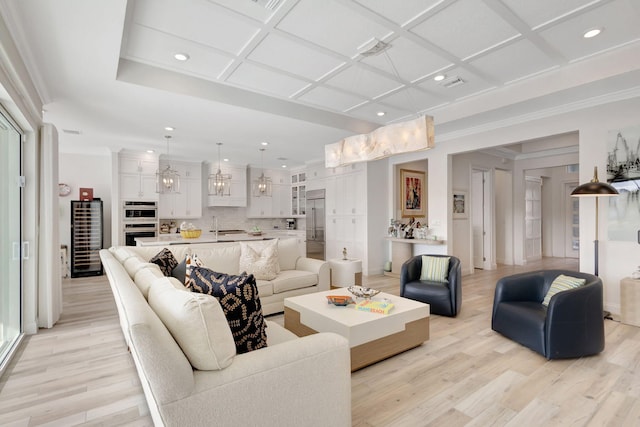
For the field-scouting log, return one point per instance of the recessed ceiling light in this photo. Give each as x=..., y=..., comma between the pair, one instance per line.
x=439, y=77
x=181, y=56
x=225, y=160
x=380, y=113
x=264, y=143
x=150, y=151
x=592, y=33
x=284, y=166
x=169, y=128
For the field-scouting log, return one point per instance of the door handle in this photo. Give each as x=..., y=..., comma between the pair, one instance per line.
x=16, y=251
x=25, y=250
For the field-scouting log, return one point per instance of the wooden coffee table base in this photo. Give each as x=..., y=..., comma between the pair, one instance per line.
x=415, y=334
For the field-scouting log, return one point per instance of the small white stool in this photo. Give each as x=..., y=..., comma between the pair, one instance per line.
x=345, y=272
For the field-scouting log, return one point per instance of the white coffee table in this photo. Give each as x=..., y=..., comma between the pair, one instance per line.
x=372, y=337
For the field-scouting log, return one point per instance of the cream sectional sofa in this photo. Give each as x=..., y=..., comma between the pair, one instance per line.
x=169, y=330
x=298, y=275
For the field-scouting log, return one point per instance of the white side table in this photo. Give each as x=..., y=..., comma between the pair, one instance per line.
x=345, y=272
x=630, y=301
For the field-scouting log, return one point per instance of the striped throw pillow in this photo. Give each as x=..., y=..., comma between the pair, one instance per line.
x=434, y=269
x=562, y=283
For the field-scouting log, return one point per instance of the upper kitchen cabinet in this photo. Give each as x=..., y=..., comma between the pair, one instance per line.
x=188, y=202
x=298, y=193
x=137, y=176
x=274, y=206
x=238, y=189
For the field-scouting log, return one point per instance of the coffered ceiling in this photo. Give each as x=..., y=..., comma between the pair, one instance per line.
x=293, y=72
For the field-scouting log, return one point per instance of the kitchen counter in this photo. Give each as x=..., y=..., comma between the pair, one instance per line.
x=210, y=237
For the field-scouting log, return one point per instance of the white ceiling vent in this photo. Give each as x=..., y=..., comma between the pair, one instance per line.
x=373, y=48
x=452, y=82
x=267, y=4
x=71, y=131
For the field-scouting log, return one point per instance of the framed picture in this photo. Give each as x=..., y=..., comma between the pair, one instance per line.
x=460, y=207
x=413, y=198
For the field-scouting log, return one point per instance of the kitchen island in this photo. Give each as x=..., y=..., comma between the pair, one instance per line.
x=210, y=237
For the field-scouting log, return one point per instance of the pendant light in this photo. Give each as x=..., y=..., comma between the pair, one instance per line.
x=262, y=186
x=219, y=183
x=167, y=179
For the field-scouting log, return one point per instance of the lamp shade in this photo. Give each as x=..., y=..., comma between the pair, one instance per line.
x=594, y=188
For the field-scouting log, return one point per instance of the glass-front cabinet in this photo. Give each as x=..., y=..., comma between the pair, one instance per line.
x=298, y=194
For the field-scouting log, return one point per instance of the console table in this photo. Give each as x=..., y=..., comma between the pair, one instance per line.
x=402, y=250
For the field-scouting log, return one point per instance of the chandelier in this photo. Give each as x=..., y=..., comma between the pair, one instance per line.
x=395, y=138
x=167, y=179
x=219, y=183
x=262, y=186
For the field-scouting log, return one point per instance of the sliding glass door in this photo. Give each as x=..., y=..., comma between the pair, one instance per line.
x=10, y=238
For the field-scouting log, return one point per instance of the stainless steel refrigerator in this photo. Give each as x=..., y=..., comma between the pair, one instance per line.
x=315, y=224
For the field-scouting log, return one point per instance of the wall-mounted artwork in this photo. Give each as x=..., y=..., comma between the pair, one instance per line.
x=460, y=209
x=413, y=197
x=623, y=173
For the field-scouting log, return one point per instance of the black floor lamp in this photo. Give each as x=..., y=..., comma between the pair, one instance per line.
x=595, y=188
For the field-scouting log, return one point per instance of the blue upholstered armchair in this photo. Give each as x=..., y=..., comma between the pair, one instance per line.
x=443, y=297
x=571, y=326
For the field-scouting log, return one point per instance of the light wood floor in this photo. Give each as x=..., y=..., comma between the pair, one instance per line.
x=80, y=373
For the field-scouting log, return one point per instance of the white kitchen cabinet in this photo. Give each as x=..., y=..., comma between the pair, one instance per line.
x=137, y=177
x=238, y=195
x=298, y=194
x=188, y=202
x=275, y=206
x=348, y=231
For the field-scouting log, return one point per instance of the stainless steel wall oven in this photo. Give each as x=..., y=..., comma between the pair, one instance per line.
x=139, y=219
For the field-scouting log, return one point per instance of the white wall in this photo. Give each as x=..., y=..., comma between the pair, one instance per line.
x=85, y=171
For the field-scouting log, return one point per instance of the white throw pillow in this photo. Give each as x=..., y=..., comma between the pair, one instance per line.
x=260, y=259
x=196, y=322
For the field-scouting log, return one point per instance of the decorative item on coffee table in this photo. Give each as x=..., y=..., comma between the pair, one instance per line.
x=363, y=292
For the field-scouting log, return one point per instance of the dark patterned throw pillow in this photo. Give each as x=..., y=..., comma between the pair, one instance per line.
x=166, y=261
x=238, y=296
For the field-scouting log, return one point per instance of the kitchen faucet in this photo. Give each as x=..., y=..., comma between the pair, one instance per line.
x=214, y=226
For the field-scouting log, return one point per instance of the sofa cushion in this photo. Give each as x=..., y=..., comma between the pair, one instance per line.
x=165, y=260
x=238, y=296
x=222, y=257
x=288, y=253
x=293, y=279
x=434, y=269
x=562, y=283
x=265, y=288
x=260, y=259
x=133, y=264
x=122, y=253
x=144, y=277
x=196, y=322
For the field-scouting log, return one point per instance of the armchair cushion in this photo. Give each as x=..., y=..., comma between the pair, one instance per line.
x=562, y=283
x=434, y=269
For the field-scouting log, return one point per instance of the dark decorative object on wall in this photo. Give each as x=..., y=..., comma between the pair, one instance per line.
x=623, y=173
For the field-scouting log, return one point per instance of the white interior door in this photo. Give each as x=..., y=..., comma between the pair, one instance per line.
x=533, y=218
x=481, y=220
x=572, y=222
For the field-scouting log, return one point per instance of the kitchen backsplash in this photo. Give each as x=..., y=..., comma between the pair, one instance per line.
x=230, y=218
